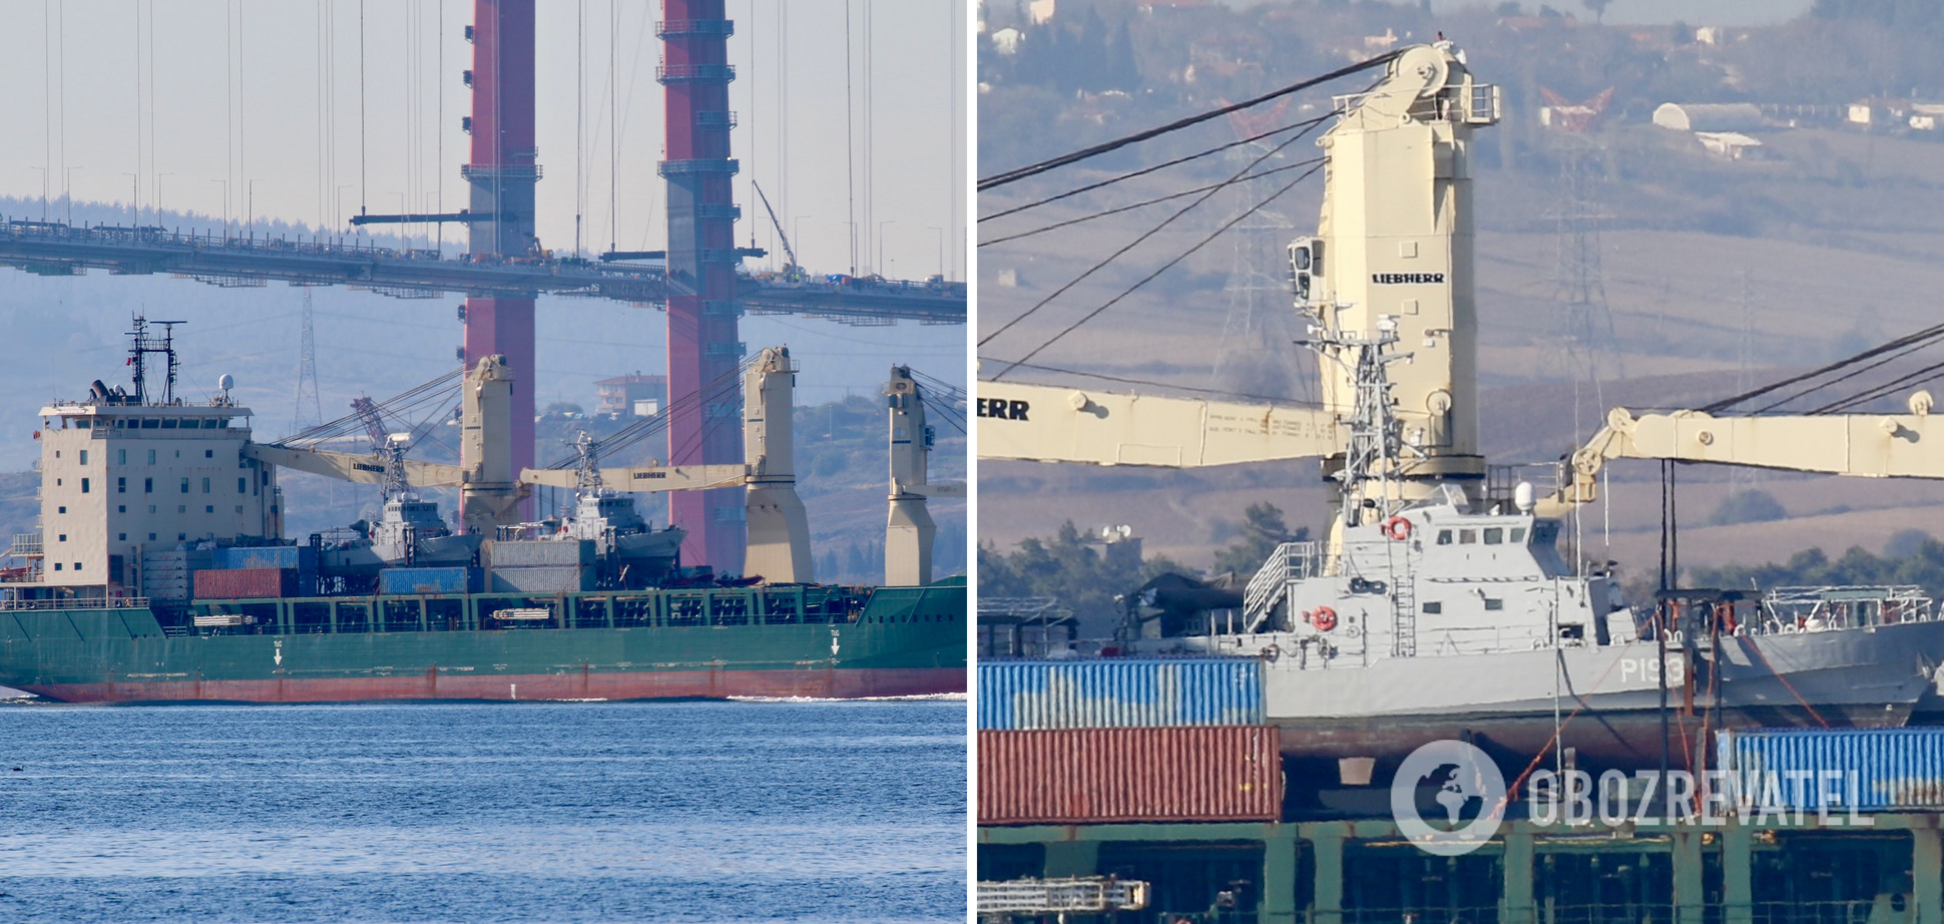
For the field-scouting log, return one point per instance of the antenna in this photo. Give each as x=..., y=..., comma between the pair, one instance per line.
x=144, y=344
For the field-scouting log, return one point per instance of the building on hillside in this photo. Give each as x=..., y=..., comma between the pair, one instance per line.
x=1006, y=41
x=1708, y=117
x=634, y=395
x=1729, y=145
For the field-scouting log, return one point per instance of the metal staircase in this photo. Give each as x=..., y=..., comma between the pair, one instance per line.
x=1289, y=563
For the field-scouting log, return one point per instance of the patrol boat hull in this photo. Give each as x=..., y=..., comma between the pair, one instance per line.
x=1608, y=697
x=899, y=641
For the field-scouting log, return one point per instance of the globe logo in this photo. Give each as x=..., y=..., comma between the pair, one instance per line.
x=1459, y=786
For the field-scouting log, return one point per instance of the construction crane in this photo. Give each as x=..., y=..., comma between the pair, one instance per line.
x=791, y=270
x=1392, y=260
x=1859, y=445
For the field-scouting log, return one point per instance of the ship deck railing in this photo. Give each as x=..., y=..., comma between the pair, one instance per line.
x=661, y=609
x=77, y=603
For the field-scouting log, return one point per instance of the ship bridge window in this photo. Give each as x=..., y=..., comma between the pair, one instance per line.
x=1468, y=537
x=1494, y=603
x=170, y=423
x=1433, y=607
x=1518, y=534
x=1444, y=537
x=150, y=424
x=1495, y=535
x=211, y=424
x=82, y=423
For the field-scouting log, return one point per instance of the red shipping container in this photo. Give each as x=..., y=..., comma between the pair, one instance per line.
x=242, y=583
x=1105, y=775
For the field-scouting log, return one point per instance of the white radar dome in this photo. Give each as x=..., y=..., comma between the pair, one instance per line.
x=227, y=382
x=1522, y=496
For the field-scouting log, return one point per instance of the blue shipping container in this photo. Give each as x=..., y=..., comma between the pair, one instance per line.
x=1881, y=769
x=300, y=557
x=455, y=580
x=1120, y=693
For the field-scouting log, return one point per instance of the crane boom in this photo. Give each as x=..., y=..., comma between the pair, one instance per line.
x=363, y=468
x=794, y=267
x=1859, y=445
x=1044, y=423
x=647, y=478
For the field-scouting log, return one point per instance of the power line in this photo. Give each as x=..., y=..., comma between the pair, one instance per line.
x=1145, y=203
x=1160, y=166
x=1164, y=268
x=1236, y=177
x=1220, y=393
x=1020, y=173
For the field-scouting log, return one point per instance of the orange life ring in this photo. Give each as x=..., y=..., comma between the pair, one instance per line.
x=1324, y=619
x=1397, y=528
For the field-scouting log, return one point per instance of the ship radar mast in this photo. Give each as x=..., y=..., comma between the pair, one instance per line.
x=1374, y=463
x=145, y=343
x=587, y=473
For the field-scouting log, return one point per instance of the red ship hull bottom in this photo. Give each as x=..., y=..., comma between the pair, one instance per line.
x=571, y=685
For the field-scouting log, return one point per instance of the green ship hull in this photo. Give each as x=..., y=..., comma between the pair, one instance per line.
x=706, y=643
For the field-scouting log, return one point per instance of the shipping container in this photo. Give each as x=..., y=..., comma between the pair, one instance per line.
x=539, y=552
x=1110, y=775
x=167, y=573
x=243, y=583
x=543, y=579
x=1120, y=693
x=300, y=557
x=1870, y=769
x=456, y=580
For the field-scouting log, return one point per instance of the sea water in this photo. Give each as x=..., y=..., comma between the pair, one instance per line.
x=690, y=811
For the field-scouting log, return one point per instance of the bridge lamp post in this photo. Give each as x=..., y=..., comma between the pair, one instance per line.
x=158, y=195
x=226, y=212
x=43, y=173
x=251, y=188
x=134, y=197
x=69, y=194
x=880, y=237
x=941, y=249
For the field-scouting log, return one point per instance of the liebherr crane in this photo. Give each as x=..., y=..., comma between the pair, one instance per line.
x=1392, y=258
x=490, y=492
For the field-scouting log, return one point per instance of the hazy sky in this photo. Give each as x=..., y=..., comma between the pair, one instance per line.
x=143, y=90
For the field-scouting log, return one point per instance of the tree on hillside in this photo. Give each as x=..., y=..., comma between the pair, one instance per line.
x=1905, y=16
x=1263, y=528
x=1750, y=506
x=1084, y=575
x=1597, y=8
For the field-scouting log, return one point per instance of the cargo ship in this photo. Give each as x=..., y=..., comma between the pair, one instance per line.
x=160, y=573
x=1447, y=599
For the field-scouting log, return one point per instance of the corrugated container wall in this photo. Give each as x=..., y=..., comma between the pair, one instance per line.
x=542, y=552
x=301, y=557
x=1895, y=769
x=166, y=573
x=243, y=583
x=1120, y=693
x=543, y=579
x=456, y=580
x=1103, y=775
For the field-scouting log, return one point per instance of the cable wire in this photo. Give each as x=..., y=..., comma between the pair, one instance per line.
x=1020, y=173
x=1238, y=176
x=1090, y=187
x=1139, y=205
x=1070, y=328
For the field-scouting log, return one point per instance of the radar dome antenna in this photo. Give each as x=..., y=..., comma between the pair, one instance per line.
x=224, y=384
